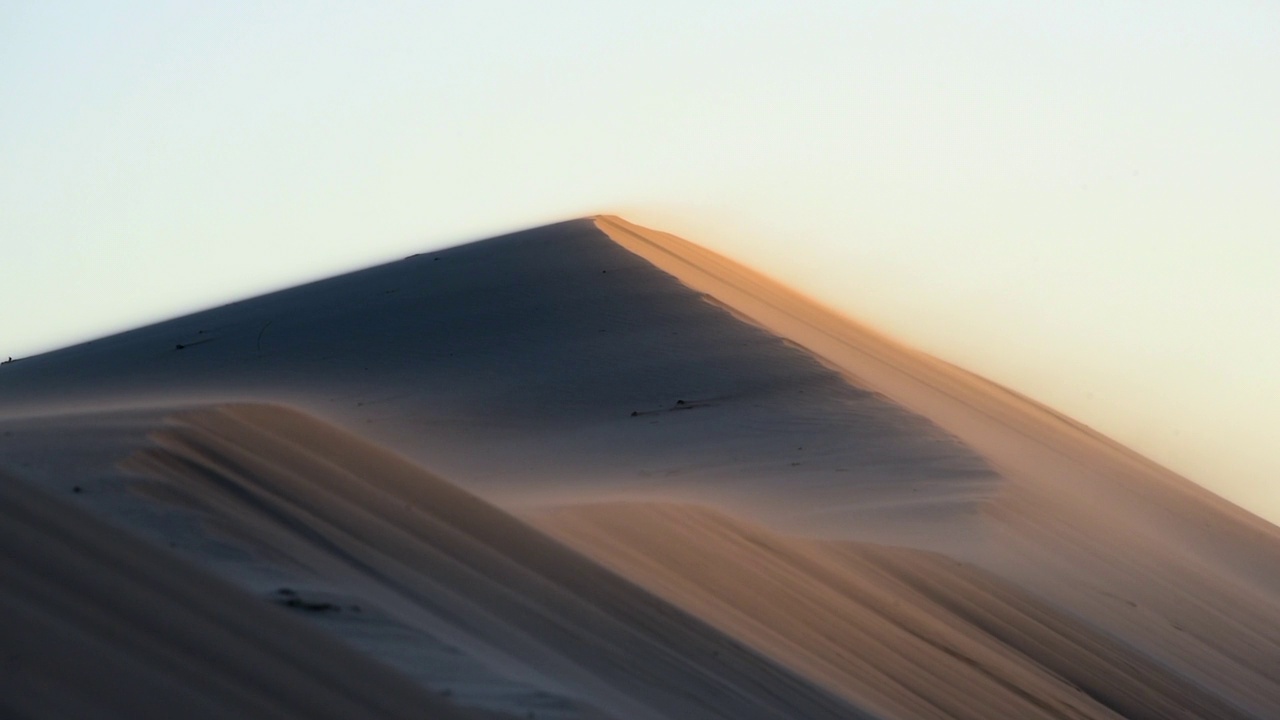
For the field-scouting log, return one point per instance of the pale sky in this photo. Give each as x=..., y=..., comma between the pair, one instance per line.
x=1080, y=200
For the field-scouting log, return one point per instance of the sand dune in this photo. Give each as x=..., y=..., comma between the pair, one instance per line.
x=1099, y=531
x=908, y=633
x=359, y=536
x=95, y=623
x=594, y=471
x=513, y=367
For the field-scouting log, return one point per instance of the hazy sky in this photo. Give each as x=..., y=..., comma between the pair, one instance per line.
x=1078, y=199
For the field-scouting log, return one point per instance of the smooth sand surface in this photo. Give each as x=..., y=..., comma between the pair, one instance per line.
x=357, y=538
x=904, y=632
x=550, y=365
x=95, y=623
x=1098, y=530
x=592, y=470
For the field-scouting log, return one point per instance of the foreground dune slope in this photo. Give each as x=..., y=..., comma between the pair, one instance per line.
x=742, y=622
x=605, y=379
x=97, y=624
x=351, y=535
x=911, y=634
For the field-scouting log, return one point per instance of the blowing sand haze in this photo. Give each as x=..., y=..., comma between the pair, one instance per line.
x=591, y=470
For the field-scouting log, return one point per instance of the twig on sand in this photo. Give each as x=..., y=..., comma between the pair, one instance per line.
x=264, y=329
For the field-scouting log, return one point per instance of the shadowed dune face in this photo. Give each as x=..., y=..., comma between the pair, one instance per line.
x=302, y=494
x=97, y=624
x=544, y=366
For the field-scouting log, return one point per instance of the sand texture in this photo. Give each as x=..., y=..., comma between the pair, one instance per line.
x=593, y=471
x=96, y=623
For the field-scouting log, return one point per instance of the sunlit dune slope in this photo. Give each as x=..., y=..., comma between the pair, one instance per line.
x=547, y=365
x=911, y=634
x=1024, y=440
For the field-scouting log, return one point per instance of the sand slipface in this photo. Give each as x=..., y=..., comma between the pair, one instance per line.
x=594, y=471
